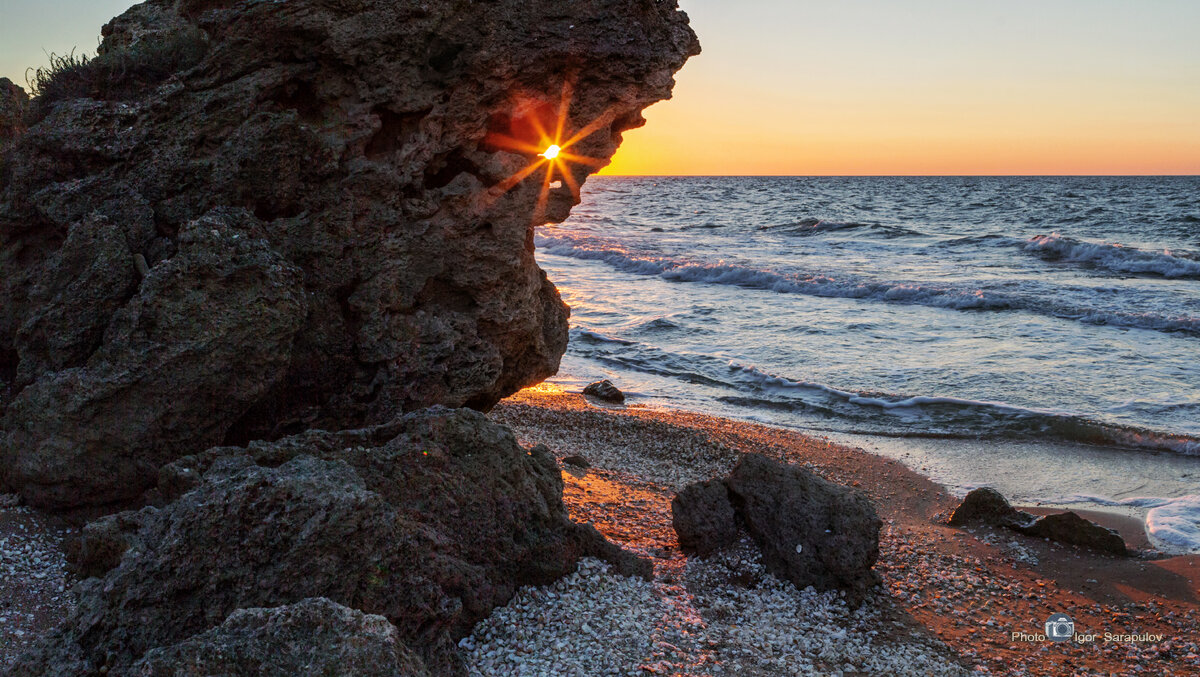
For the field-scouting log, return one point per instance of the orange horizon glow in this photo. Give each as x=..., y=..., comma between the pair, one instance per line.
x=932, y=87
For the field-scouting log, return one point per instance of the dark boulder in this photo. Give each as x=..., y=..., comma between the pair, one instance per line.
x=604, y=391
x=987, y=506
x=312, y=637
x=810, y=531
x=431, y=521
x=1068, y=527
x=246, y=219
x=703, y=518
x=576, y=461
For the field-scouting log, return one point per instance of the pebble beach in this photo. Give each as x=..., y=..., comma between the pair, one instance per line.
x=950, y=601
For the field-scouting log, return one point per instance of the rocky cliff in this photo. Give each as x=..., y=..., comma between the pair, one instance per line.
x=245, y=219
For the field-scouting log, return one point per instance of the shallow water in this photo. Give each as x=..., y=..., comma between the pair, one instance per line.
x=1043, y=314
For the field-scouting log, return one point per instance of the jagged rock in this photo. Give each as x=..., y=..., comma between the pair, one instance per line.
x=986, y=505
x=312, y=637
x=13, y=103
x=605, y=391
x=431, y=521
x=989, y=506
x=358, y=156
x=1068, y=527
x=703, y=518
x=206, y=334
x=810, y=531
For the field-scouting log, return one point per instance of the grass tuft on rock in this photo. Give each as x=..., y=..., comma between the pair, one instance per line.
x=114, y=75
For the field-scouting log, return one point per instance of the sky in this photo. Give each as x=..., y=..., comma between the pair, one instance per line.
x=800, y=87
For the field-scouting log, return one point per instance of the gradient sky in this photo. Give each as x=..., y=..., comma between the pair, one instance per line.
x=882, y=87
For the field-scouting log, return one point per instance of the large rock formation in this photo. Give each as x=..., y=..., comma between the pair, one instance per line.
x=430, y=521
x=246, y=219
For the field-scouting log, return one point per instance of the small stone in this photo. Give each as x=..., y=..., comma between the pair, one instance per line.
x=605, y=391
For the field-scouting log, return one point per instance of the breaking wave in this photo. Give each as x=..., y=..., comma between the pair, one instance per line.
x=1114, y=257
x=958, y=417
x=913, y=293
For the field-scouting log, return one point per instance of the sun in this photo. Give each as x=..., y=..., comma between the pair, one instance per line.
x=550, y=146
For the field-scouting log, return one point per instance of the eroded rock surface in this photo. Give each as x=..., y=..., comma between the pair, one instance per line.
x=430, y=521
x=247, y=219
x=312, y=637
x=13, y=103
x=809, y=530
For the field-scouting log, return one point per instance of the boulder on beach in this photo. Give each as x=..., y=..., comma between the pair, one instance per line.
x=605, y=391
x=312, y=637
x=1068, y=527
x=431, y=521
x=987, y=506
x=703, y=518
x=810, y=531
x=576, y=461
x=241, y=220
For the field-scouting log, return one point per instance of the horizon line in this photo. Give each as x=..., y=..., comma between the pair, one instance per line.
x=883, y=176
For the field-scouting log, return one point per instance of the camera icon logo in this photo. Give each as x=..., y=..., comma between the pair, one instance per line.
x=1059, y=628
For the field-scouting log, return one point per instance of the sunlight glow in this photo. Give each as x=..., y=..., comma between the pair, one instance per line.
x=548, y=132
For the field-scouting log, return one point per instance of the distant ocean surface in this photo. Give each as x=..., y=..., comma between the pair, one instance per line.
x=1050, y=324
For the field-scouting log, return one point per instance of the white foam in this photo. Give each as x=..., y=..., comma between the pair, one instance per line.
x=1176, y=522
x=930, y=295
x=1172, y=523
x=1115, y=257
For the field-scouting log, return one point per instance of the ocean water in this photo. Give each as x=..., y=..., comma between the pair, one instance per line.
x=1039, y=334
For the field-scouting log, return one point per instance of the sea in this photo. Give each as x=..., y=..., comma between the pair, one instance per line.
x=1040, y=335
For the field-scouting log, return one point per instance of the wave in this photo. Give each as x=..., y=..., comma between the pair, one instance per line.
x=811, y=226
x=930, y=295
x=853, y=411
x=1115, y=257
x=959, y=417
x=597, y=337
x=658, y=324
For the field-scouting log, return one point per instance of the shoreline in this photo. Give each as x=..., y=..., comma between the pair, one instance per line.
x=950, y=603
x=968, y=588
x=1034, y=474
